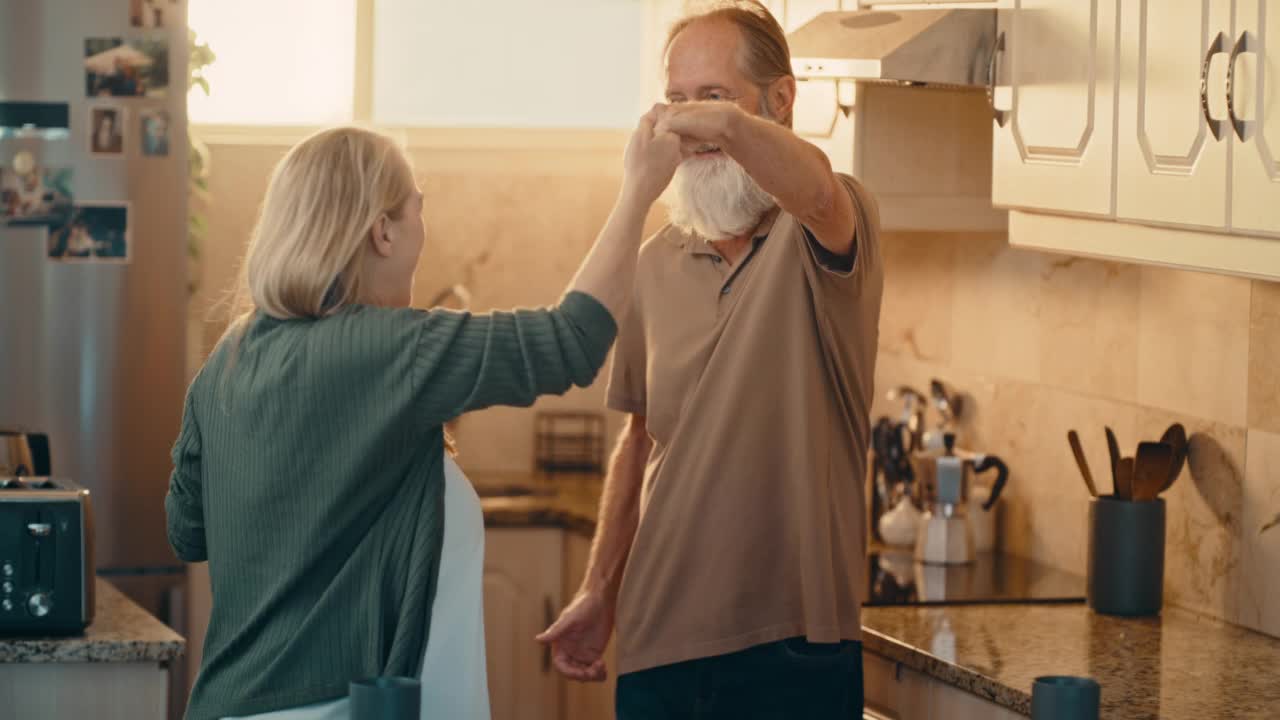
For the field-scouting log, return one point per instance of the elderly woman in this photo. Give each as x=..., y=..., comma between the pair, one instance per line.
x=311, y=469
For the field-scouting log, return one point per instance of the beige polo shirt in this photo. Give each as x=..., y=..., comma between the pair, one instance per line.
x=756, y=382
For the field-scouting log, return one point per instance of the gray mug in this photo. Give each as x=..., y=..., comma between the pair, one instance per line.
x=1065, y=698
x=1126, y=556
x=386, y=698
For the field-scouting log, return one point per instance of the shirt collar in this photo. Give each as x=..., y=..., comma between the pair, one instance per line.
x=695, y=245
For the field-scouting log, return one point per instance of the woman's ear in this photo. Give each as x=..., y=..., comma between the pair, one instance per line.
x=380, y=236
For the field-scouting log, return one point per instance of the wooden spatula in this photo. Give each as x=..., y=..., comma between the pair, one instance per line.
x=1124, y=478
x=1176, y=438
x=1151, y=470
x=1074, y=439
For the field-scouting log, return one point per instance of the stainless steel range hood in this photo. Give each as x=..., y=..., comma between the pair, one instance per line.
x=942, y=47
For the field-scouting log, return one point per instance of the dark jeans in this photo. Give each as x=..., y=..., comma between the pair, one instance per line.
x=786, y=680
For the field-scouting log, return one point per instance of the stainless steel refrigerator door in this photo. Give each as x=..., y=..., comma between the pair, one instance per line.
x=93, y=354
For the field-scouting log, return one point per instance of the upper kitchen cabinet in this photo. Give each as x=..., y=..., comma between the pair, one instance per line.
x=1174, y=133
x=1054, y=72
x=1195, y=141
x=1254, y=112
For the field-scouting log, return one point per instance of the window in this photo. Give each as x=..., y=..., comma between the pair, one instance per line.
x=509, y=63
x=280, y=62
x=432, y=63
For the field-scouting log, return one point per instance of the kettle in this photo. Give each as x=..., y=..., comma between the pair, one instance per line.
x=945, y=536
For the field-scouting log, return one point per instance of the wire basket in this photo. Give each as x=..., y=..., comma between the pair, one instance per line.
x=569, y=441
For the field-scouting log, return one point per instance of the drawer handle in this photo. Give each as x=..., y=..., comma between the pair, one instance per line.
x=1218, y=46
x=1001, y=116
x=548, y=617
x=1245, y=43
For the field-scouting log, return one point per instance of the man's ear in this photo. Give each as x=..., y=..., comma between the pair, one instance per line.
x=781, y=97
x=380, y=236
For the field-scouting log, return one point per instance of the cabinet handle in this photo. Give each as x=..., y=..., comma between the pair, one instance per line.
x=548, y=617
x=1245, y=43
x=1219, y=45
x=1002, y=116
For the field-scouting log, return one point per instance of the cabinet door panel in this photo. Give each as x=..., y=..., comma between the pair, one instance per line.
x=1172, y=165
x=522, y=586
x=1055, y=150
x=1255, y=187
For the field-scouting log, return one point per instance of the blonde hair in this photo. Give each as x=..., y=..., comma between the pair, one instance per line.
x=307, y=250
x=764, y=55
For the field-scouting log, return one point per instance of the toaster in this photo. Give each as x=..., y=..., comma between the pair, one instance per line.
x=46, y=557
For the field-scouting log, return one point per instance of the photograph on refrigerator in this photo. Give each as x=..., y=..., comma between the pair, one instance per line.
x=138, y=67
x=94, y=232
x=106, y=130
x=153, y=128
x=152, y=13
x=35, y=195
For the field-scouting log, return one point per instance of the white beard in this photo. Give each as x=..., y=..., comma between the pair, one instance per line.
x=714, y=198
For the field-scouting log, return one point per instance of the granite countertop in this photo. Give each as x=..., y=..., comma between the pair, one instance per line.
x=1180, y=665
x=122, y=632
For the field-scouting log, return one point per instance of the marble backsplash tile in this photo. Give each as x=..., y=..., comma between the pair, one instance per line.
x=1041, y=344
x=1259, y=584
x=1193, y=349
x=1264, y=357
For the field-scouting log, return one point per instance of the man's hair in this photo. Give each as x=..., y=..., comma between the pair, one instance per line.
x=763, y=56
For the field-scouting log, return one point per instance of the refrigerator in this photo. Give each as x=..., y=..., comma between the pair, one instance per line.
x=93, y=263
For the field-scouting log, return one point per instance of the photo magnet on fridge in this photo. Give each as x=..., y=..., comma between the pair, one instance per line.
x=95, y=232
x=106, y=129
x=153, y=128
x=137, y=68
x=150, y=13
x=34, y=195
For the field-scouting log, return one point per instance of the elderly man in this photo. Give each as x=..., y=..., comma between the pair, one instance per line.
x=730, y=550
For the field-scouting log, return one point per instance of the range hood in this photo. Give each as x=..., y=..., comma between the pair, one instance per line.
x=932, y=47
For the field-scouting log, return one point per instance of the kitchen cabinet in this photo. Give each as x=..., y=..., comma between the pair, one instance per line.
x=586, y=701
x=1056, y=88
x=1194, y=146
x=522, y=596
x=1255, y=179
x=896, y=692
x=1174, y=142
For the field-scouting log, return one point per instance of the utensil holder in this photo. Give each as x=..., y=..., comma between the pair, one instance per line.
x=386, y=698
x=1065, y=698
x=1126, y=556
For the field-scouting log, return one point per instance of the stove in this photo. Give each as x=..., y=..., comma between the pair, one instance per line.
x=894, y=578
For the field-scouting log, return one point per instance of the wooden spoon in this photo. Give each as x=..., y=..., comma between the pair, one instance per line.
x=1074, y=439
x=1151, y=470
x=1176, y=438
x=1113, y=448
x=1124, y=478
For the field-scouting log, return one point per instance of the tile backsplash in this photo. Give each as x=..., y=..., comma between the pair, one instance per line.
x=1042, y=344
x=1039, y=343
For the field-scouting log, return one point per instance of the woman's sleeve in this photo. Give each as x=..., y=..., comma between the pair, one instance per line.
x=183, y=505
x=467, y=362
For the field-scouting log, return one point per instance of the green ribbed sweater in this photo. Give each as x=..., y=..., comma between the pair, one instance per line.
x=309, y=473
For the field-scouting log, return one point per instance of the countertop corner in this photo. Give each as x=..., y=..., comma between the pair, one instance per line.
x=121, y=632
